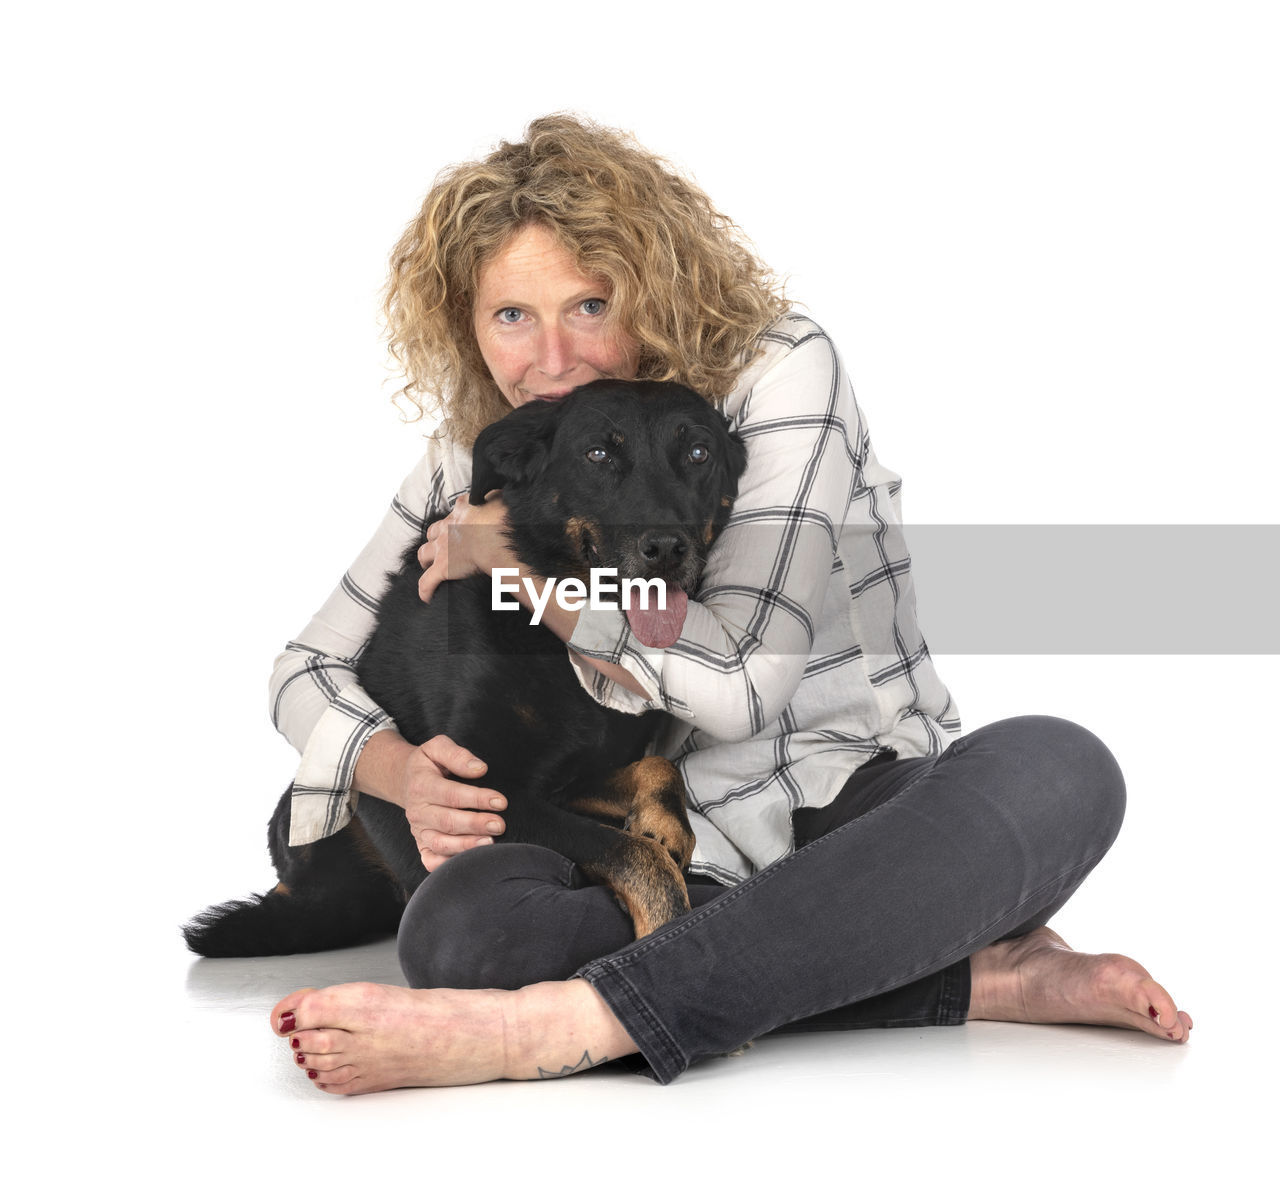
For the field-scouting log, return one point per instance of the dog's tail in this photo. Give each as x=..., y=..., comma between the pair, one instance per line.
x=284, y=921
x=333, y=893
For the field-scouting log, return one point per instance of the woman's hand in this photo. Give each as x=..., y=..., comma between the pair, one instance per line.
x=468, y=540
x=445, y=816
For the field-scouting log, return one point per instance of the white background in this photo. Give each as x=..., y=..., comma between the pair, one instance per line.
x=1044, y=238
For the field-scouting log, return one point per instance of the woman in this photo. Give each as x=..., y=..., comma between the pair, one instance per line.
x=856, y=865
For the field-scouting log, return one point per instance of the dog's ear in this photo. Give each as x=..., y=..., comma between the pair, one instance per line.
x=735, y=458
x=513, y=450
x=735, y=462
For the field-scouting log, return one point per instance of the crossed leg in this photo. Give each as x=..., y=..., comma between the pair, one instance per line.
x=365, y=1038
x=1008, y=809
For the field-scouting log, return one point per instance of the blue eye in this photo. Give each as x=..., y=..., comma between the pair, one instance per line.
x=593, y=306
x=510, y=314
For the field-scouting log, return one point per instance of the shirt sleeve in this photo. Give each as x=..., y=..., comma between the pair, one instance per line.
x=317, y=702
x=748, y=636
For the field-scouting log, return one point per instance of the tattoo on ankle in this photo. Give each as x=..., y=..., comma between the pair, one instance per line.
x=569, y=1069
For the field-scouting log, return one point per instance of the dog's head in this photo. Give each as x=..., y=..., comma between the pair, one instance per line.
x=637, y=476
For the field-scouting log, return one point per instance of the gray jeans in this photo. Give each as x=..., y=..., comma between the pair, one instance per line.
x=870, y=922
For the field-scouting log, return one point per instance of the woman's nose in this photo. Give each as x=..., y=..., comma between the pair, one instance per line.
x=555, y=352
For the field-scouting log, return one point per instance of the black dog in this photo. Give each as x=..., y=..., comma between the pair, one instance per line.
x=636, y=477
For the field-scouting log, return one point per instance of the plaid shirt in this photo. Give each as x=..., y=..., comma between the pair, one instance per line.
x=799, y=661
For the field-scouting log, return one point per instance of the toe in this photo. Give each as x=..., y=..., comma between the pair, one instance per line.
x=1181, y=1029
x=322, y=1042
x=1152, y=1001
x=333, y=1007
x=327, y=1067
x=343, y=1080
x=310, y=1049
x=284, y=1017
x=1161, y=1016
x=345, y=1006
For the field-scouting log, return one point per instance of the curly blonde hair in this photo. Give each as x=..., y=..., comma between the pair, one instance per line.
x=684, y=284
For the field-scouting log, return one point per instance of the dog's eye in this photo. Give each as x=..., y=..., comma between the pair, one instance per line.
x=699, y=453
x=597, y=454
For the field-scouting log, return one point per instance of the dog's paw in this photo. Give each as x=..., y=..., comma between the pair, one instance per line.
x=671, y=831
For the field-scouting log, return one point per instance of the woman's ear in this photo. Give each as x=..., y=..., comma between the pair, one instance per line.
x=513, y=450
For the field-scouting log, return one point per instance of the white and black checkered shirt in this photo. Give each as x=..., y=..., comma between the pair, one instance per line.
x=800, y=659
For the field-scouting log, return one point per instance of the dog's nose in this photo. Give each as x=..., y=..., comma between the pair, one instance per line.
x=662, y=549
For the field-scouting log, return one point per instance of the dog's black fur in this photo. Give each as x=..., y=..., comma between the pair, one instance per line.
x=637, y=476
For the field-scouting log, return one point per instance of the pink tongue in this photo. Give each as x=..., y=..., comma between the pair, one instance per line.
x=660, y=627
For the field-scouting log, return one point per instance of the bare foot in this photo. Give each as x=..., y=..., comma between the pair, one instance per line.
x=364, y=1037
x=1039, y=978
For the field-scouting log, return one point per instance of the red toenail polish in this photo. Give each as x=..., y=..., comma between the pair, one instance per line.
x=287, y=1022
x=1151, y=1010
x=295, y=1043
x=300, y=1057
x=312, y=1073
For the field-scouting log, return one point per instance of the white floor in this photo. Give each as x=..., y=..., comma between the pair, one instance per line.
x=156, y=1057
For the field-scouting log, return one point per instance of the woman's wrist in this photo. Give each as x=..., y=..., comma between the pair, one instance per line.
x=561, y=622
x=379, y=769
x=545, y=608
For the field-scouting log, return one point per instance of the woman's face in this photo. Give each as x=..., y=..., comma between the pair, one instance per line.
x=541, y=324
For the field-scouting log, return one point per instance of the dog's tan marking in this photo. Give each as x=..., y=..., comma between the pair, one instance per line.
x=281, y=889
x=582, y=532
x=656, y=809
x=647, y=777
x=725, y=501
x=527, y=716
x=614, y=808
x=642, y=875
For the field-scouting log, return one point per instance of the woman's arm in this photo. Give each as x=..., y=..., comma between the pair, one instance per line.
x=746, y=641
